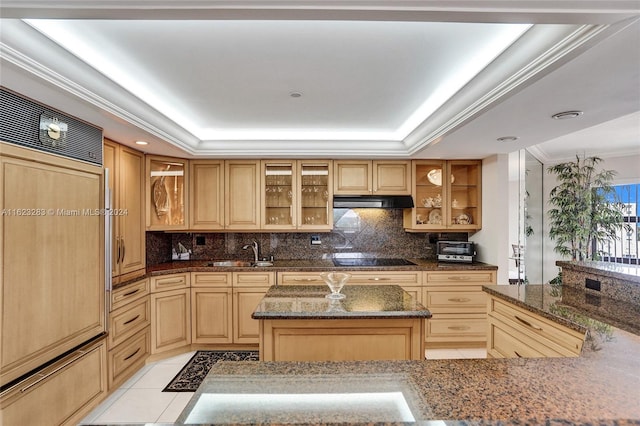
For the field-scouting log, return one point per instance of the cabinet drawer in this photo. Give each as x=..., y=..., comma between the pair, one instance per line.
x=386, y=277
x=129, y=293
x=127, y=321
x=128, y=357
x=560, y=339
x=453, y=302
x=503, y=344
x=211, y=279
x=459, y=277
x=253, y=279
x=170, y=282
x=300, y=278
x=443, y=328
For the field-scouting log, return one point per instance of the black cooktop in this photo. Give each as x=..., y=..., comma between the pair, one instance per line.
x=370, y=261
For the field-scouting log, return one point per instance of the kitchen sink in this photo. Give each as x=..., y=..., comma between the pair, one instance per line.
x=239, y=263
x=236, y=263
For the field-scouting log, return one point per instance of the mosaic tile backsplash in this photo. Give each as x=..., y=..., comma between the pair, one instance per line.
x=377, y=232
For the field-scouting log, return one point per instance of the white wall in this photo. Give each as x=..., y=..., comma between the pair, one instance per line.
x=492, y=241
x=628, y=171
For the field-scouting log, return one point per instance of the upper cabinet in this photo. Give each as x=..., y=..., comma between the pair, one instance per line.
x=378, y=177
x=242, y=195
x=447, y=195
x=206, y=194
x=126, y=182
x=296, y=195
x=166, y=185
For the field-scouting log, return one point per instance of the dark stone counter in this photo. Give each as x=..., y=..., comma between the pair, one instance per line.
x=361, y=301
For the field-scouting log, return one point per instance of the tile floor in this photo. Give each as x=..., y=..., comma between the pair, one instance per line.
x=141, y=400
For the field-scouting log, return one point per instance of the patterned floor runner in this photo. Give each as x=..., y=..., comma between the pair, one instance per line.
x=194, y=372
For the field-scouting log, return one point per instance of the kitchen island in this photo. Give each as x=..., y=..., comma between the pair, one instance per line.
x=598, y=387
x=373, y=322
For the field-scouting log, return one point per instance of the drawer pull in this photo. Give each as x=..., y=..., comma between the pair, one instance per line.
x=379, y=279
x=460, y=299
x=517, y=354
x=178, y=281
x=306, y=280
x=131, y=356
x=459, y=327
x=41, y=377
x=132, y=319
x=131, y=292
x=528, y=324
x=458, y=278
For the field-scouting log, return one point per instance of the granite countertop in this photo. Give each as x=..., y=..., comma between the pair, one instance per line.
x=574, y=308
x=312, y=265
x=361, y=301
x=615, y=270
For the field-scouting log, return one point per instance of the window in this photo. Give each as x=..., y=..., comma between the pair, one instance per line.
x=625, y=248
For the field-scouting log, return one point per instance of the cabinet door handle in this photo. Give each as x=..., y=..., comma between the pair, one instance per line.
x=528, y=324
x=80, y=355
x=132, y=320
x=130, y=356
x=459, y=278
x=459, y=299
x=131, y=292
x=459, y=327
x=123, y=249
x=117, y=250
x=517, y=354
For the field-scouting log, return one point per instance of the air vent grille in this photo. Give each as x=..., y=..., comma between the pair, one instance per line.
x=20, y=123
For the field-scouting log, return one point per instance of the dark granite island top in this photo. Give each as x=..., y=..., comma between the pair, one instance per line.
x=361, y=301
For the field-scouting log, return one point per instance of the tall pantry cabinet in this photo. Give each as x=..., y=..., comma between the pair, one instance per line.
x=126, y=180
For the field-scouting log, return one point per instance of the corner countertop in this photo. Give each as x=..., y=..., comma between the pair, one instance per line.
x=361, y=301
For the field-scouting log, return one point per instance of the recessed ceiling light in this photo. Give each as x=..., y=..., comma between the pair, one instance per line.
x=295, y=94
x=507, y=138
x=566, y=114
x=142, y=143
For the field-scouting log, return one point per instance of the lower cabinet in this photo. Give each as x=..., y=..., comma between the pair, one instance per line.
x=248, y=290
x=458, y=306
x=129, y=340
x=514, y=332
x=62, y=394
x=170, y=312
x=211, y=308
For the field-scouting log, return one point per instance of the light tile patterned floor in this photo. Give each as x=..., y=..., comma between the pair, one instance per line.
x=141, y=400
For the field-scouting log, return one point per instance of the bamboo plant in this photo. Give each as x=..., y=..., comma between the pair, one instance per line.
x=582, y=214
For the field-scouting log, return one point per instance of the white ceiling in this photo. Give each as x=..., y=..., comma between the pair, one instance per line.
x=403, y=79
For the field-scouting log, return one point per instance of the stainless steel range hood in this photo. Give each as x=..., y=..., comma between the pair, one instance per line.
x=373, y=201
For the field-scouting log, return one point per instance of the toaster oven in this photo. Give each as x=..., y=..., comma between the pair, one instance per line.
x=456, y=251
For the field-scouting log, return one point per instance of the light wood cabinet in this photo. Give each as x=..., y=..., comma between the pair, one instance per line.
x=170, y=312
x=211, y=308
x=242, y=195
x=315, y=195
x=44, y=198
x=458, y=305
x=279, y=194
x=365, y=177
x=514, y=332
x=126, y=181
x=206, y=195
x=62, y=394
x=248, y=290
x=447, y=195
x=167, y=183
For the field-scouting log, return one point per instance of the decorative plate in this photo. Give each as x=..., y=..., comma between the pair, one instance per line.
x=435, y=217
x=435, y=177
x=463, y=219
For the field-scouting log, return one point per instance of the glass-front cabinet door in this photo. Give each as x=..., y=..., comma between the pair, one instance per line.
x=429, y=196
x=279, y=194
x=464, y=196
x=166, y=184
x=315, y=195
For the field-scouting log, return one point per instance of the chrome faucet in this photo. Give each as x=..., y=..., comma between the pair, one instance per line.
x=254, y=247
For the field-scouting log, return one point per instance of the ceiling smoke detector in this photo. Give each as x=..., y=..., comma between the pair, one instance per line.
x=295, y=94
x=566, y=114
